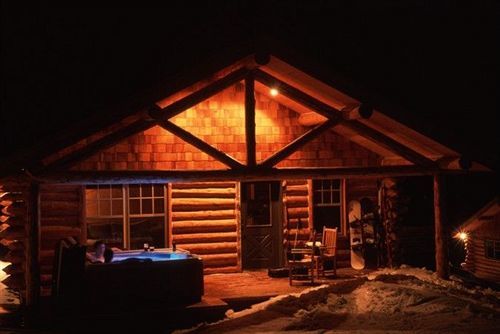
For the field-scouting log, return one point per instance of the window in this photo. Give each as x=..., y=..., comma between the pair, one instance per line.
x=327, y=204
x=127, y=215
x=492, y=249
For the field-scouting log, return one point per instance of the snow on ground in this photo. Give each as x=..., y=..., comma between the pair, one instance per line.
x=408, y=300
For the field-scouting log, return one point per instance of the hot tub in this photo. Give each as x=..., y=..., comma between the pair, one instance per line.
x=141, y=280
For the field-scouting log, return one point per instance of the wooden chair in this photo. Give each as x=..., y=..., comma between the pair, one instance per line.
x=301, y=263
x=327, y=252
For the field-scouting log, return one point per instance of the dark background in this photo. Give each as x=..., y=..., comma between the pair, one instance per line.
x=429, y=64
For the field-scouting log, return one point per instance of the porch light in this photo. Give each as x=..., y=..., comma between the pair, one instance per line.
x=273, y=92
x=462, y=236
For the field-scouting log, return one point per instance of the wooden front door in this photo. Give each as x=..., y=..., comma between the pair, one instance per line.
x=261, y=224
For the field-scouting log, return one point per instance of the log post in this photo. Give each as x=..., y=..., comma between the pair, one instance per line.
x=440, y=230
x=250, y=119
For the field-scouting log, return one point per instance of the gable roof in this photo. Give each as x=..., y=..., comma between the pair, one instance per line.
x=381, y=134
x=486, y=213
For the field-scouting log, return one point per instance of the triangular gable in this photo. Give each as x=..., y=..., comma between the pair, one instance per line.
x=395, y=143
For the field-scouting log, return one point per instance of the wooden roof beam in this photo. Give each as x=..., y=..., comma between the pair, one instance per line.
x=100, y=144
x=390, y=144
x=200, y=144
x=297, y=143
x=240, y=174
x=355, y=125
x=198, y=96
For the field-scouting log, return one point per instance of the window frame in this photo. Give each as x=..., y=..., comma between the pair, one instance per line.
x=126, y=215
x=341, y=204
x=495, y=247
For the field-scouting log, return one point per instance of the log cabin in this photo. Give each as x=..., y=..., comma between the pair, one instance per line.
x=481, y=236
x=228, y=167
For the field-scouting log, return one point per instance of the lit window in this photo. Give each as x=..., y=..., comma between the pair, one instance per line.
x=327, y=204
x=126, y=215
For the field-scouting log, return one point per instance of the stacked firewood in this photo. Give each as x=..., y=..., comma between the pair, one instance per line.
x=391, y=218
x=13, y=217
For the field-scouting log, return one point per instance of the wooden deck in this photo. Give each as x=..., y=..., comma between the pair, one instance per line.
x=257, y=285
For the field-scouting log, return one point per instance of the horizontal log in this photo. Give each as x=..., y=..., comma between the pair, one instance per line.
x=211, y=248
x=69, y=220
x=219, y=260
x=12, y=244
x=220, y=270
x=203, y=185
x=296, y=192
x=293, y=223
x=46, y=269
x=202, y=206
x=296, y=201
x=204, y=193
x=14, y=256
x=46, y=279
x=299, y=232
x=13, y=211
x=297, y=212
x=239, y=174
x=59, y=231
x=15, y=281
x=204, y=237
x=71, y=196
x=59, y=208
x=13, y=269
x=13, y=233
x=200, y=215
x=290, y=183
x=196, y=226
x=203, y=201
x=14, y=221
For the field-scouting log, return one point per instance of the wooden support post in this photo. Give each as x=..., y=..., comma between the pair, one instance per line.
x=440, y=230
x=250, y=119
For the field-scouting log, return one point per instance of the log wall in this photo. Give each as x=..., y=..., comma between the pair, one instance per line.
x=204, y=221
x=14, y=232
x=61, y=209
x=476, y=260
x=297, y=211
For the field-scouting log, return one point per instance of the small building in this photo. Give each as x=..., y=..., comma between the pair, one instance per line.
x=481, y=234
x=230, y=167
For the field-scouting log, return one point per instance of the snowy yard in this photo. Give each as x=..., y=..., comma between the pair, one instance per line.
x=408, y=300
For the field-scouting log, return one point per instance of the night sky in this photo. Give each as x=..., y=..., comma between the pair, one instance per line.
x=430, y=64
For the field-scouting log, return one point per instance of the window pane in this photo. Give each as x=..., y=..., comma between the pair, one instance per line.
x=147, y=206
x=135, y=206
x=316, y=184
x=328, y=216
x=336, y=184
x=336, y=197
x=104, y=192
x=134, y=190
x=104, y=208
x=158, y=190
x=150, y=230
x=146, y=190
x=91, y=208
x=159, y=205
x=91, y=193
x=110, y=230
x=116, y=191
x=117, y=207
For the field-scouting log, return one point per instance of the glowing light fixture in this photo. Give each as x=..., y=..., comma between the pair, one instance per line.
x=462, y=236
x=273, y=92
